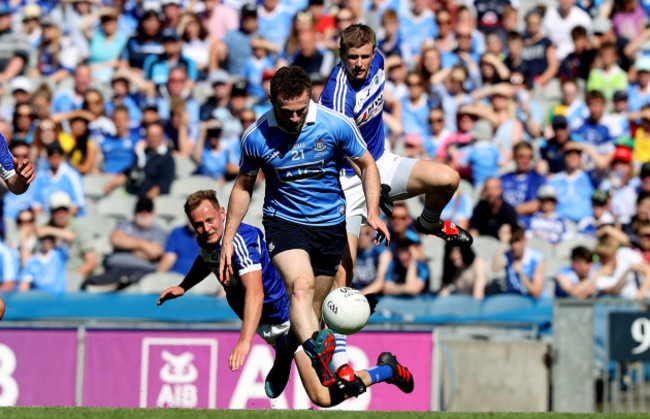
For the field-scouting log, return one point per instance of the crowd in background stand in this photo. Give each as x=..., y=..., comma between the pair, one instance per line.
x=544, y=109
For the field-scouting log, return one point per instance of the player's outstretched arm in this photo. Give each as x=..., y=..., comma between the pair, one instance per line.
x=199, y=271
x=240, y=199
x=253, y=302
x=372, y=189
x=19, y=183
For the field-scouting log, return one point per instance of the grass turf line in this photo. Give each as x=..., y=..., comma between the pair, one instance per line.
x=117, y=413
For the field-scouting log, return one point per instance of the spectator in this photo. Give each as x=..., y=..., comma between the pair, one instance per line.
x=310, y=58
x=573, y=186
x=9, y=267
x=177, y=129
x=219, y=18
x=213, y=158
x=236, y=47
x=622, y=185
x=571, y=107
x=196, y=43
x=458, y=209
x=417, y=26
x=153, y=170
x=539, y=52
x=601, y=217
x=546, y=224
x=371, y=264
x=137, y=249
x=401, y=229
x=629, y=19
x=445, y=40
x=14, y=54
x=464, y=52
x=576, y=280
x=45, y=269
x=33, y=29
x=641, y=142
x=70, y=235
x=552, y=150
x=70, y=99
x=179, y=88
x=106, y=45
x=438, y=132
x=46, y=133
x=631, y=229
x=515, y=60
x=13, y=204
x=608, y=77
x=180, y=251
x=483, y=157
x=520, y=187
x=559, y=22
x=157, y=68
x=229, y=115
x=59, y=176
x=122, y=96
x=406, y=275
x=118, y=150
x=577, y=64
x=639, y=93
x=463, y=273
x=255, y=67
x=220, y=82
x=83, y=155
x=171, y=13
x=274, y=22
x=528, y=112
x=622, y=271
x=524, y=265
x=643, y=230
x=144, y=43
x=24, y=241
x=392, y=43
x=415, y=108
x=23, y=123
x=492, y=212
x=56, y=56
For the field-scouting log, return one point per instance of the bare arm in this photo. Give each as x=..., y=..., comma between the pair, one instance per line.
x=528, y=207
x=89, y=265
x=377, y=285
x=481, y=280
x=371, y=189
x=253, y=302
x=61, y=233
x=25, y=175
x=143, y=248
x=167, y=261
x=553, y=66
x=14, y=68
x=535, y=284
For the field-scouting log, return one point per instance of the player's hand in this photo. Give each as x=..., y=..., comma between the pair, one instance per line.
x=170, y=293
x=382, y=231
x=385, y=202
x=225, y=263
x=24, y=170
x=238, y=355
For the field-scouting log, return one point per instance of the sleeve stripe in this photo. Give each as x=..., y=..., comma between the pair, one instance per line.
x=342, y=88
x=242, y=251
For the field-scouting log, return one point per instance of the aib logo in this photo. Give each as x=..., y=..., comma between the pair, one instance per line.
x=179, y=373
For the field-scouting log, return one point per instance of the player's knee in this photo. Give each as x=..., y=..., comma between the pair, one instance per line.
x=321, y=398
x=302, y=291
x=449, y=178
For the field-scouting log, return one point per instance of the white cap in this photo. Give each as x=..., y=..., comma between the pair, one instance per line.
x=21, y=83
x=547, y=192
x=60, y=199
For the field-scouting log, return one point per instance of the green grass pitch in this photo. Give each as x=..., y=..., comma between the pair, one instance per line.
x=113, y=413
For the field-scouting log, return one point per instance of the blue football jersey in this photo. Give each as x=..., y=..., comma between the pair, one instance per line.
x=364, y=105
x=6, y=160
x=302, y=172
x=251, y=255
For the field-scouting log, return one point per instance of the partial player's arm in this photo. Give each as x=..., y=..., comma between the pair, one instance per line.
x=253, y=302
x=199, y=271
x=240, y=199
x=372, y=189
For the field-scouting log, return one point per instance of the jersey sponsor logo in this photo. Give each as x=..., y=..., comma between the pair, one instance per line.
x=301, y=172
x=362, y=96
x=374, y=109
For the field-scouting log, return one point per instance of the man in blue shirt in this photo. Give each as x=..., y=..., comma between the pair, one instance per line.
x=573, y=186
x=300, y=146
x=257, y=294
x=520, y=187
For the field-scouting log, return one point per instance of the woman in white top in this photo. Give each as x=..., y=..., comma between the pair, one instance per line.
x=196, y=41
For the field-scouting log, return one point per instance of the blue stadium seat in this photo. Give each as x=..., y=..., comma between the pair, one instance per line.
x=506, y=302
x=455, y=306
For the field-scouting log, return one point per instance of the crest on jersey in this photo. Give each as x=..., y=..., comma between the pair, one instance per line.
x=271, y=246
x=320, y=145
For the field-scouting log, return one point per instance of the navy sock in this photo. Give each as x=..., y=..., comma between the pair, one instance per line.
x=309, y=348
x=380, y=373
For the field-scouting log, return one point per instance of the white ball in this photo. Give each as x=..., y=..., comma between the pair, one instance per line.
x=346, y=310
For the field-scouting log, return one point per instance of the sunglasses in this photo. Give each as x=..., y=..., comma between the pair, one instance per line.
x=25, y=221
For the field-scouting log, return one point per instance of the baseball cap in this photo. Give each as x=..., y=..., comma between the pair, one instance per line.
x=60, y=199
x=21, y=83
x=31, y=11
x=219, y=76
x=108, y=13
x=54, y=148
x=169, y=34
x=47, y=21
x=239, y=88
x=144, y=204
x=601, y=25
x=316, y=2
x=599, y=197
x=620, y=95
x=622, y=154
x=645, y=170
x=642, y=63
x=249, y=9
x=624, y=141
x=547, y=192
x=412, y=140
x=168, y=2
x=559, y=121
x=482, y=130
x=571, y=146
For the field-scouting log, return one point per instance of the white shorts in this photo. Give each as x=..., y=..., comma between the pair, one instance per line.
x=271, y=332
x=394, y=171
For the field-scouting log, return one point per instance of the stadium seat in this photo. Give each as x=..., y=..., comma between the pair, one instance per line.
x=117, y=206
x=563, y=249
x=542, y=245
x=434, y=252
x=94, y=185
x=168, y=207
x=156, y=282
x=184, y=166
x=184, y=187
x=97, y=224
x=485, y=247
x=505, y=302
x=465, y=187
x=456, y=305
x=73, y=281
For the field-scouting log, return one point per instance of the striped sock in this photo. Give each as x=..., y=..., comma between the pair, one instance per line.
x=430, y=218
x=380, y=373
x=340, y=356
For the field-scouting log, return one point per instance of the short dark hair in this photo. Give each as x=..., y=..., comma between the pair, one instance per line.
x=520, y=145
x=356, y=36
x=194, y=200
x=291, y=81
x=581, y=253
x=152, y=123
x=17, y=143
x=578, y=32
x=518, y=233
x=120, y=108
x=514, y=36
x=642, y=195
x=594, y=95
x=607, y=46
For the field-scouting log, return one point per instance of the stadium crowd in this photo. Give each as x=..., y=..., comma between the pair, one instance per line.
x=543, y=110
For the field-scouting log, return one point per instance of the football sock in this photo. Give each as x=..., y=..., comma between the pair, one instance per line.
x=430, y=218
x=340, y=356
x=380, y=373
x=308, y=347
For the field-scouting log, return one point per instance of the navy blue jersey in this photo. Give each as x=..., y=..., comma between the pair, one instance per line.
x=251, y=255
x=6, y=160
x=302, y=172
x=364, y=105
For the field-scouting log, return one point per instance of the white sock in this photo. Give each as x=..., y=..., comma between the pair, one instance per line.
x=340, y=356
x=430, y=218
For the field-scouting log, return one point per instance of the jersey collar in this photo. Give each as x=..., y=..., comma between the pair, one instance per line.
x=311, y=116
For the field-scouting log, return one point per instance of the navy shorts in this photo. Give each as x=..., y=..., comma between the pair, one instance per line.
x=323, y=244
